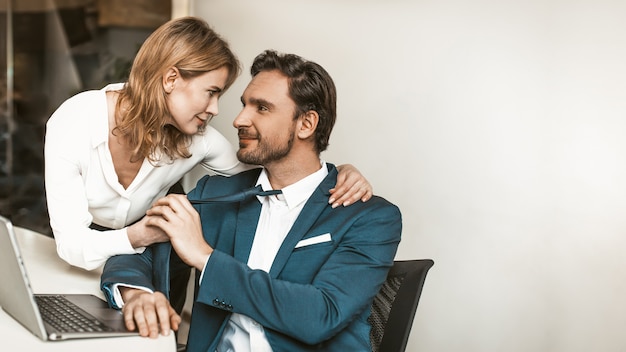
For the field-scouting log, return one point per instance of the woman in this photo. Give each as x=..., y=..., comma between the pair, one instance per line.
x=110, y=153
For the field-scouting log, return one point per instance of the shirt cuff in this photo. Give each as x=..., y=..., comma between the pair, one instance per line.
x=137, y=250
x=117, y=295
x=205, y=264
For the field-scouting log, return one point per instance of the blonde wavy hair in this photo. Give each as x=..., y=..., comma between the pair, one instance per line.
x=190, y=45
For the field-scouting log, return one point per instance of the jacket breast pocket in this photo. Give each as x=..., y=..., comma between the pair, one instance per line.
x=304, y=262
x=319, y=239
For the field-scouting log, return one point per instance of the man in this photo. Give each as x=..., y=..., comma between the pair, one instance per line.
x=284, y=272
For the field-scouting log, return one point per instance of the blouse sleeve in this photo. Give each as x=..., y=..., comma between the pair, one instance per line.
x=68, y=142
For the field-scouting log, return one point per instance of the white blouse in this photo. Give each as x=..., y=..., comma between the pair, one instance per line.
x=82, y=186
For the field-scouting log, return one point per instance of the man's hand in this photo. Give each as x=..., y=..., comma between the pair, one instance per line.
x=351, y=186
x=175, y=215
x=148, y=312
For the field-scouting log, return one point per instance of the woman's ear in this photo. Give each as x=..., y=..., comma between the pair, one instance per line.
x=169, y=79
x=308, y=124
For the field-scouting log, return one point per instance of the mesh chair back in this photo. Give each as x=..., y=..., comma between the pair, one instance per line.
x=395, y=304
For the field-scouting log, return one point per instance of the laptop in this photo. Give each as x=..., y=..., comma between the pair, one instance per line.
x=89, y=316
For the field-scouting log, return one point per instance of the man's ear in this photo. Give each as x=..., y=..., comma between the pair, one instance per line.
x=169, y=79
x=308, y=124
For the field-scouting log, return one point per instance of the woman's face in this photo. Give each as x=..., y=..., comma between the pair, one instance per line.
x=193, y=102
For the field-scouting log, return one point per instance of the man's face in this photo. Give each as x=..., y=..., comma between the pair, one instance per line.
x=266, y=122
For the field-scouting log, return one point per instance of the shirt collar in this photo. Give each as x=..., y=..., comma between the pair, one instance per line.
x=298, y=192
x=100, y=133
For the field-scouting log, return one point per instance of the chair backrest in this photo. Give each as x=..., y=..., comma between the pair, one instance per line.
x=395, y=304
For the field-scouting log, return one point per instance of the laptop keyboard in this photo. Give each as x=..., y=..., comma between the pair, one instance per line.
x=66, y=317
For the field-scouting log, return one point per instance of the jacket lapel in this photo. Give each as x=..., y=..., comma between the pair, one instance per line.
x=247, y=221
x=312, y=210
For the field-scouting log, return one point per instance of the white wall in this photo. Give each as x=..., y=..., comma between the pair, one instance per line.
x=498, y=128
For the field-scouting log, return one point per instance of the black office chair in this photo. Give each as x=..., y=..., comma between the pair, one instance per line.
x=395, y=304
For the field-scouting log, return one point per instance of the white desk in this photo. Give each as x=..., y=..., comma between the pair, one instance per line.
x=50, y=274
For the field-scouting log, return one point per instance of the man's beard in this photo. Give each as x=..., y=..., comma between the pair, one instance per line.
x=265, y=152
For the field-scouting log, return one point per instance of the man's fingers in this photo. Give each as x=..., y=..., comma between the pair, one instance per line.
x=164, y=314
x=151, y=319
x=134, y=315
x=164, y=211
x=175, y=319
x=150, y=314
x=129, y=319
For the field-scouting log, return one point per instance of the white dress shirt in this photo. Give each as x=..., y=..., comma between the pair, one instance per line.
x=82, y=186
x=278, y=214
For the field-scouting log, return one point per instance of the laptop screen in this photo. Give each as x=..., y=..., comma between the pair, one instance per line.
x=16, y=296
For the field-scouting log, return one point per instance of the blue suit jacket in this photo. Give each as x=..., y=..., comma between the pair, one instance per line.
x=315, y=298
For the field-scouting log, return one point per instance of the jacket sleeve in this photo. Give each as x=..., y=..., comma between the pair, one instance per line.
x=127, y=269
x=134, y=269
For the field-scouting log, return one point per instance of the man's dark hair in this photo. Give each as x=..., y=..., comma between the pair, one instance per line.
x=310, y=87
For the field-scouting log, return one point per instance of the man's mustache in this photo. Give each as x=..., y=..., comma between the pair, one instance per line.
x=243, y=133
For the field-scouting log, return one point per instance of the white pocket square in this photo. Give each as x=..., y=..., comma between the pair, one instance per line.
x=314, y=240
